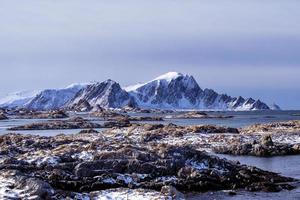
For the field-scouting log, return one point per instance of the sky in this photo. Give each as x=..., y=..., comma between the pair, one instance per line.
x=248, y=48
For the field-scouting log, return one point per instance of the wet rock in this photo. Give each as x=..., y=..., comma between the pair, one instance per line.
x=88, y=131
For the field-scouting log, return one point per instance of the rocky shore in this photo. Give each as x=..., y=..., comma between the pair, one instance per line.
x=83, y=165
x=273, y=128
x=196, y=115
x=73, y=123
x=263, y=148
x=32, y=114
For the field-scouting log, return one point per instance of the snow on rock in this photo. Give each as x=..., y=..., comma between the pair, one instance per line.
x=84, y=155
x=177, y=91
x=108, y=94
x=172, y=90
x=125, y=194
x=6, y=191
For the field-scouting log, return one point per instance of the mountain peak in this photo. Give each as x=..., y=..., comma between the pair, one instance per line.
x=169, y=76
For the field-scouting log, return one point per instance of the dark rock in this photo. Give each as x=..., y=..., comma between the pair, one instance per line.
x=88, y=131
x=3, y=117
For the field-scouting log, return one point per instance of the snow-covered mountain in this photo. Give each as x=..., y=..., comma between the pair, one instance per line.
x=169, y=91
x=108, y=94
x=54, y=98
x=18, y=99
x=177, y=91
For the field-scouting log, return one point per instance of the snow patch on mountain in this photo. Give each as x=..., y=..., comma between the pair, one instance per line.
x=18, y=99
x=54, y=98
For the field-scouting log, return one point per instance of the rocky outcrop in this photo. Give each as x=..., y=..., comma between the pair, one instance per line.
x=81, y=106
x=87, y=163
x=265, y=147
x=73, y=123
x=275, y=127
x=197, y=115
x=107, y=114
x=24, y=113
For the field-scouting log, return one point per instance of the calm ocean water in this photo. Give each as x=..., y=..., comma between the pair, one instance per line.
x=240, y=119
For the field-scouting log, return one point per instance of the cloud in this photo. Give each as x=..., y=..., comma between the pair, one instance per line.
x=227, y=45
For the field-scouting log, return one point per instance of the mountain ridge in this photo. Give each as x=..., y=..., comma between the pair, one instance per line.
x=172, y=90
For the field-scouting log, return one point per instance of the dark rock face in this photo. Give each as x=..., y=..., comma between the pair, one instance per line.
x=82, y=106
x=183, y=92
x=108, y=94
x=265, y=147
x=163, y=93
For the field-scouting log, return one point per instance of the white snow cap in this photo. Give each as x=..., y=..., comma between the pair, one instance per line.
x=166, y=77
x=169, y=76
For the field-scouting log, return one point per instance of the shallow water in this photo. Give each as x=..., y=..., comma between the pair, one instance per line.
x=5, y=124
x=240, y=119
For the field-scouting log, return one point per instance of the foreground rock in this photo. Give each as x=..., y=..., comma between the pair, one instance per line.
x=265, y=147
x=73, y=123
x=63, y=166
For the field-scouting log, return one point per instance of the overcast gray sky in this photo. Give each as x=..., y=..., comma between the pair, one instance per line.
x=249, y=48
